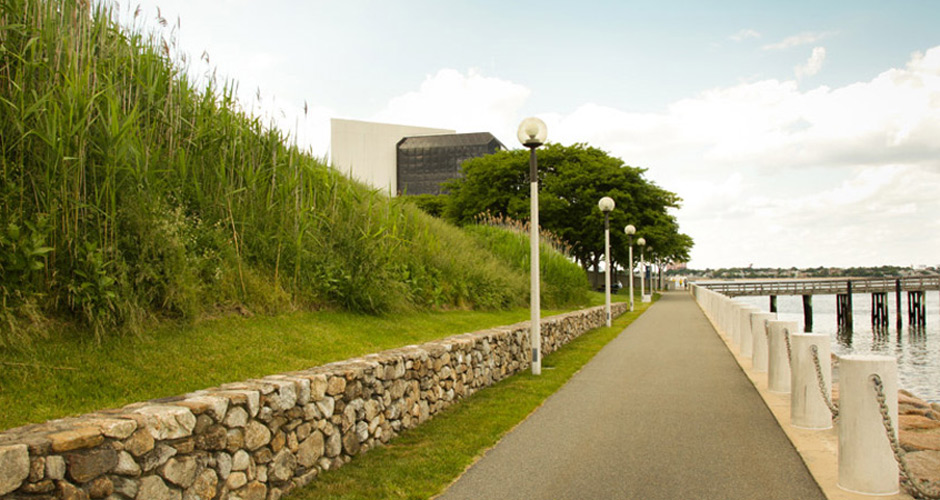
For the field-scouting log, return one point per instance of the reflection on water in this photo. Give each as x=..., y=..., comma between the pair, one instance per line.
x=917, y=349
x=844, y=336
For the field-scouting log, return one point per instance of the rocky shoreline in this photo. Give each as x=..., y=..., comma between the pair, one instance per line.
x=919, y=434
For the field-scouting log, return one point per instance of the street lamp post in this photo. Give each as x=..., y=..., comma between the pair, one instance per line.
x=532, y=133
x=630, y=230
x=606, y=204
x=642, y=243
x=651, y=279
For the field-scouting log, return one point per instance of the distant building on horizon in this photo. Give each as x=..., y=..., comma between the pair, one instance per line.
x=677, y=266
x=402, y=159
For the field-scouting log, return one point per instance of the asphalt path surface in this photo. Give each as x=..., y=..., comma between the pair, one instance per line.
x=662, y=412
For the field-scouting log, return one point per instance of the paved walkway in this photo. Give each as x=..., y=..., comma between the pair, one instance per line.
x=663, y=411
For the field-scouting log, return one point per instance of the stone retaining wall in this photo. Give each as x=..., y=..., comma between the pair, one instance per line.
x=258, y=439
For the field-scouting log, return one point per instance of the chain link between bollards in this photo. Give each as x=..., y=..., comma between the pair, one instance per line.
x=918, y=488
x=822, y=384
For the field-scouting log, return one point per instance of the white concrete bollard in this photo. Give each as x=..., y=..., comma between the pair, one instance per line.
x=726, y=315
x=737, y=309
x=714, y=307
x=725, y=309
x=759, y=339
x=778, y=360
x=734, y=309
x=808, y=409
x=730, y=317
x=866, y=460
x=746, y=347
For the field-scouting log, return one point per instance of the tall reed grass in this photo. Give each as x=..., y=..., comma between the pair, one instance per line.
x=127, y=195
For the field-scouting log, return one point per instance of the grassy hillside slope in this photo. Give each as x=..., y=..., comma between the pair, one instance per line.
x=562, y=281
x=128, y=195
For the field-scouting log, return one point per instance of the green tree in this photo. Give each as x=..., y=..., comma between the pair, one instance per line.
x=571, y=181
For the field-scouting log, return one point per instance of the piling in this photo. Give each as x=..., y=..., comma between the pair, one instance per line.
x=842, y=312
x=897, y=293
x=807, y=313
x=916, y=309
x=844, y=309
x=879, y=310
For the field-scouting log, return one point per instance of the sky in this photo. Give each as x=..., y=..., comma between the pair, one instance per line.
x=798, y=134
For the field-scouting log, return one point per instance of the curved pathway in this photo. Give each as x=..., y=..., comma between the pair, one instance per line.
x=663, y=411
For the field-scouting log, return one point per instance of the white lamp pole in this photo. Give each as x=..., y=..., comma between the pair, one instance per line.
x=630, y=230
x=642, y=242
x=652, y=280
x=532, y=133
x=606, y=204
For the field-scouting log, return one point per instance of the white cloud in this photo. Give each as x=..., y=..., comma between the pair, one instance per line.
x=744, y=34
x=805, y=38
x=875, y=215
x=813, y=64
x=465, y=102
x=893, y=117
x=827, y=176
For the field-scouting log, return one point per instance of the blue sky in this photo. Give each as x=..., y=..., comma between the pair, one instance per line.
x=798, y=133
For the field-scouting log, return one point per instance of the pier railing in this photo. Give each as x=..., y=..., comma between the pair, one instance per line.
x=822, y=286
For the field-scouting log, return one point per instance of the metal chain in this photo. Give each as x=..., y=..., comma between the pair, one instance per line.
x=786, y=337
x=921, y=489
x=822, y=384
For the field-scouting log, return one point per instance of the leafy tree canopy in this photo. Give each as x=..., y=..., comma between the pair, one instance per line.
x=571, y=181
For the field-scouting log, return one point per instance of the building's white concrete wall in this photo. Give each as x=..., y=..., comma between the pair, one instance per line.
x=366, y=150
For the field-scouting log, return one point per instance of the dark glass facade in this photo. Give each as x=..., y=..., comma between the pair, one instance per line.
x=425, y=162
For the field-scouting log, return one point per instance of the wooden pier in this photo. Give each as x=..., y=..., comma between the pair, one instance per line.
x=842, y=288
x=821, y=286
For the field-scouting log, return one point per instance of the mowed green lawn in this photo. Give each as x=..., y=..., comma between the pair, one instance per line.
x=66, y=376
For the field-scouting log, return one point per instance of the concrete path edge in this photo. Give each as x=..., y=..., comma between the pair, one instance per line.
x=818, y=449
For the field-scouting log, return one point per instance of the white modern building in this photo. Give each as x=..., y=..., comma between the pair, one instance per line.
x=367, y=151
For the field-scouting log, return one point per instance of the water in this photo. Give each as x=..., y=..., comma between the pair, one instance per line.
x=917, y=350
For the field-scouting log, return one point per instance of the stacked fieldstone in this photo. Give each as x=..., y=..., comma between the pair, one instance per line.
x=259, y=439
